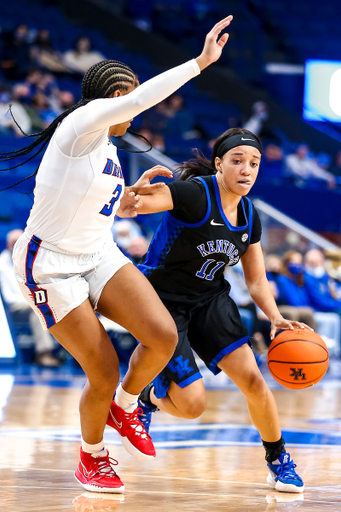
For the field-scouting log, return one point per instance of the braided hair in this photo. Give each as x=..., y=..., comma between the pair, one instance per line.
x=200, y=165
x=100, y=81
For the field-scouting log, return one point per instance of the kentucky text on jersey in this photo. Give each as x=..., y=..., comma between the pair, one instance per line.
x=112, y=169
x=220, y=246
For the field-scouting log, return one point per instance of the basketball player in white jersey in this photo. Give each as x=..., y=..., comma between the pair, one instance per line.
x=69, y=267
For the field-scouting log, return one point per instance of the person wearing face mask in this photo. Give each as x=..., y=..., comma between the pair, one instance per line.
x=292, y=299
x=318, y=284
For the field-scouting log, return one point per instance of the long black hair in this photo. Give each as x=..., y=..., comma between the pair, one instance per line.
x=202, y=166
x=100, y=81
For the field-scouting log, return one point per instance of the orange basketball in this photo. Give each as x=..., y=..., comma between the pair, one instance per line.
x=298, y=358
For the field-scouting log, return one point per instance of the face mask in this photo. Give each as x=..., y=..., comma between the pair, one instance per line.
x=316, y=272
x=295, y=268
x=122, y=241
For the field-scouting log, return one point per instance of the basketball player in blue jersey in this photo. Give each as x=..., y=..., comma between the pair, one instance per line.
x=209, y=223
x=68, y=266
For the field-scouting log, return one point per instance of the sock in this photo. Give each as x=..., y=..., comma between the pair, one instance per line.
x=96, y=450
x=125, y=400
x=273, y=450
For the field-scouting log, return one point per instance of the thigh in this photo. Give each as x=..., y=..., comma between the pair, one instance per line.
x=215, y=330
x=182, y=370
x=50, y=282
x=130, y=300
x=81, y=334
x=241, y=367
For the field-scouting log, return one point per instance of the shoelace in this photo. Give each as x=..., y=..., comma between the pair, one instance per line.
x=288, y=469
x=136, y=424
x=104, y=468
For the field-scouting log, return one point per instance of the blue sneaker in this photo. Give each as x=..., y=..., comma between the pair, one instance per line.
x=146, y=407
x=283, y=476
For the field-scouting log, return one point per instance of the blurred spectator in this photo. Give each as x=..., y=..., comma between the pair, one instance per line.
x=323, y=295
x=259, y=124
x=292, y=299
x=320, y=287
x=124, y=231
x=66, y=100
x=34, y=83
x=159, y=142
x=155, y=119
x=259, y=115
x=335, y=167
x=20, y=309
x=82, y=57
x=7, y=123
x=180, y=120
x=46, y=114
x=247, y=309
x=44, y=54
x=15, y=56
x=301, y=165
x=272, y=164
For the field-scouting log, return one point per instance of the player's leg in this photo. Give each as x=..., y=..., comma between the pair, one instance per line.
x=130, y=300
x=178, y=389
x=81, y=334
x=84, y=337
x=241, y=367
x=188, y=402
x=220, y=339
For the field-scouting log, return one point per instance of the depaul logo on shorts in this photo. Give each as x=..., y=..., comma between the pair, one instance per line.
x=40, y=296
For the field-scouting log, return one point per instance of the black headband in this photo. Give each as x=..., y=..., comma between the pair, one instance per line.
x=237, y=140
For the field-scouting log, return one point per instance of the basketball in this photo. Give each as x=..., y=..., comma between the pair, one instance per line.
x=298, y=358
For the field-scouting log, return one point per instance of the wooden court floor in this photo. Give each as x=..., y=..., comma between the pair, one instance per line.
x=215, y=463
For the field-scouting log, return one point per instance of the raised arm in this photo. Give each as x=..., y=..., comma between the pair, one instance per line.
x=260, y=291
x=102, y=113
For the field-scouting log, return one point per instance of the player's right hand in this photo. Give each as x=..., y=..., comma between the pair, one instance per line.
x=213, y=46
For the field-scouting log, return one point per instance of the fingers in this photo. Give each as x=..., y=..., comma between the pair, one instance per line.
x=218, y=27
x=272, y=333
x=159, y=170
x=301, y=325
x=223, y=40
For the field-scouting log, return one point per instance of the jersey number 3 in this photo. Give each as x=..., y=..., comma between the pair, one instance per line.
x=108, y=208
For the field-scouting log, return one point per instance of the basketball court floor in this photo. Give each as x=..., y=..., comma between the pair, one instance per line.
x=215, y=463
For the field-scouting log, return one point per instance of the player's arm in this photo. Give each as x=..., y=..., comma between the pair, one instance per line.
x=104, y=112
x=260, y=291
x=144, y=196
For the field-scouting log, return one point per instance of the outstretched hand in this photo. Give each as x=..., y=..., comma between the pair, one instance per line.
x=281, y=323
x=131, y=200
x=213, y=46
x=143, y=185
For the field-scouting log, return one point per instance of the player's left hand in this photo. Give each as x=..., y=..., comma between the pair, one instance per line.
x=280, y=323
x=129, y=205
x=143, y=185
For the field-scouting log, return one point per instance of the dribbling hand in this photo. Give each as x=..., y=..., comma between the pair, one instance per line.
x=213, y=46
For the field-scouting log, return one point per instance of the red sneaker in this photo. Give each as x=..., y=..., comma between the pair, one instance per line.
x=133, y=435
x=98, y=475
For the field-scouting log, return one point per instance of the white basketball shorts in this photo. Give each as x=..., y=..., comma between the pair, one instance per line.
x=55, y=283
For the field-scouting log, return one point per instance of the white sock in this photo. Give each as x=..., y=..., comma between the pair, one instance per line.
x=96, y=450
x=125, y=400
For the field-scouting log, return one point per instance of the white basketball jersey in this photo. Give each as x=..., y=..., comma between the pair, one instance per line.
x=79, y=184
x=75, y=199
